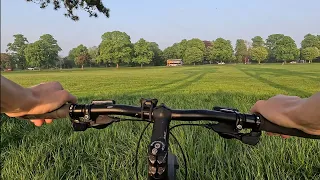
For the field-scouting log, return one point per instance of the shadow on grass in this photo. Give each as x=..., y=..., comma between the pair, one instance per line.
x=256, y=74
x=164, y=84
x=184, y=84
x=285, y=72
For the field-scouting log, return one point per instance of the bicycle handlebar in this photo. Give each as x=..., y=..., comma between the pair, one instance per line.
x=230, y=123
x=246, y=121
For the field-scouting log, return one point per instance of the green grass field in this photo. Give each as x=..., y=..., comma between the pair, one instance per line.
x=56, y=152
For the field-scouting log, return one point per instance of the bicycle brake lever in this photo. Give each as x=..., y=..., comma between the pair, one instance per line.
x=227, y=131
x=100, y=122
x=103, y=121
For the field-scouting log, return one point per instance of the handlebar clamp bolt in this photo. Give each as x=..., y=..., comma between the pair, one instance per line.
x=157, y=145
x=86, y=117
x=239, y=126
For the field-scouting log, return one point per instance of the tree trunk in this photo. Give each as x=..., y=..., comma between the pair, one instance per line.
x=259, y=62
x=141, y=65
x=194, y=64
x=117, y=65
x=82, y=66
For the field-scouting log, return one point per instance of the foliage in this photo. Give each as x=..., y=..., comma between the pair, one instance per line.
x=16, y=49
x=310, y=53
x=310, y=41
x=286, y=49
x=142, y=52
x=257, y=41
x=115, y=47
x=6, y=61
x=241, y=50
x=157, y=58
x=172, y=52
x=259, y=53
x=89, y=6
x=80, y=55
x=221, y=50
x=271, y=44
x=193, y=55
x=93, y=53
x=42, y=53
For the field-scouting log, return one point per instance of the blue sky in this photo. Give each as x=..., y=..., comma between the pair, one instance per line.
x=164, y=22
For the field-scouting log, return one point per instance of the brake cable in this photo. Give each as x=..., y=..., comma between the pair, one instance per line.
x=137, y=150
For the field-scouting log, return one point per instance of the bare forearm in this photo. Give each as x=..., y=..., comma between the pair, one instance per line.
x=13, y=96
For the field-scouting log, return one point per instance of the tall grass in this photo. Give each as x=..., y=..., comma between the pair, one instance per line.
x=56, y=152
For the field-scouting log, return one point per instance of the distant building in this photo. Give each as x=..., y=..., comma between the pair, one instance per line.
x=174, y=62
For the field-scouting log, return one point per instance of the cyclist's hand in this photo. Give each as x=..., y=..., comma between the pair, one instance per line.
x=277, y=110
x=44, y=98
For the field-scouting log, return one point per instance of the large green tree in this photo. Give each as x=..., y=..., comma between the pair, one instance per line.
x=259, y=53
x=241, y=50
x=197, y=43
x=286, y=49
x=310, y=41
x=271, y=44
x=36, y=54
x=43, y=53
x=191, y=45
x=143, y=53
x=90, y=6
x=257, y=41
x=115, y=47
x=193, y=55
x=52, y=49
x=221, y=50
x=310, y=53
x=16, y=49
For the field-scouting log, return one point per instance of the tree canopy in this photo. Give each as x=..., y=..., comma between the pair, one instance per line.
x=310, y=53
x=257, y=41
x=42, y=53
x=142, y=52
x=6, y=61
x=90, y=6
x=310, y=41
x=221, y=50
x=115, y=47
x=286, y=49
x=241, y=50
x=80, y=55
x=16, y=49
x=193, y=55
x=259, y=53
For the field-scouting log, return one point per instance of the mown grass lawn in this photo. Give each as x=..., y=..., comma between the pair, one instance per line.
x=56, y=152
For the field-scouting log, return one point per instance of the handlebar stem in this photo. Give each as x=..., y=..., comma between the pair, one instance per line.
x=158, y=148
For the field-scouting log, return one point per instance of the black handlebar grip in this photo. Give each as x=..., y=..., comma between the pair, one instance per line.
x=62, y=112
x=268, y=126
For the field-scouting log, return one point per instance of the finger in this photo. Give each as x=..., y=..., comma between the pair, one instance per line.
x=285, y=136
x=37, y=122
x=48, y=121
x=66, y=97
x=257, y=106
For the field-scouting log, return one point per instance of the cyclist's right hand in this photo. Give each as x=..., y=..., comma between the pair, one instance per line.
x=291, y=112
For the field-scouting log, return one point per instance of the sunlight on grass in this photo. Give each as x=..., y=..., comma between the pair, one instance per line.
x=56, y=152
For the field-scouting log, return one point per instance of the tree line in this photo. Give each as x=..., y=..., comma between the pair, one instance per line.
x=116, y=49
